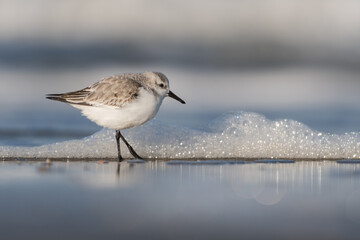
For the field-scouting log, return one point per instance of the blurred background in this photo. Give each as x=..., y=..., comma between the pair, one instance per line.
x=282, y=58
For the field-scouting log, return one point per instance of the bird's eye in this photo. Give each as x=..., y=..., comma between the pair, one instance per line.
x=161, y=85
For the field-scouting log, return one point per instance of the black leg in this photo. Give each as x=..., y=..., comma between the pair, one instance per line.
x=117, y=136
x=132, y=151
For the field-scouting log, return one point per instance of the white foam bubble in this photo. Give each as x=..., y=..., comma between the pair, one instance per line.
x=233, y=135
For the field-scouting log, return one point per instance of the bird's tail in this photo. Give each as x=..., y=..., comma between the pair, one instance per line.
x=70, y=97
x=56, y=97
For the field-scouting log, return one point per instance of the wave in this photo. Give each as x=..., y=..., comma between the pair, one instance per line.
x=238, y=135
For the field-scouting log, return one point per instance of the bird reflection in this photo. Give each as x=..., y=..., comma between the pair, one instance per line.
x=118, y=170
x=131, y=164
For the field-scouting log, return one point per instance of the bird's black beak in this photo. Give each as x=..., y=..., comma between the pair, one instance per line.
x=172, y=95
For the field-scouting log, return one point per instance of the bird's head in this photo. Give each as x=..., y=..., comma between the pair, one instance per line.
x=160, y=84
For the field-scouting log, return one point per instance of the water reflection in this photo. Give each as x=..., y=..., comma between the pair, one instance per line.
x=132, y=199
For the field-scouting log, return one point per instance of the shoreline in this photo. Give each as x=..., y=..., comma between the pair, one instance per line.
x=258, y=160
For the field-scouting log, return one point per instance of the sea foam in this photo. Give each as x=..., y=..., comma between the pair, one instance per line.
x=233, y=135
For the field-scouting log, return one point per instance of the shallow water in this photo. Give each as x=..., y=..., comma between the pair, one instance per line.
x=179, y=200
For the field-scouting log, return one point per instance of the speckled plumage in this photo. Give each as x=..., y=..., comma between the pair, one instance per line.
x=111, y=91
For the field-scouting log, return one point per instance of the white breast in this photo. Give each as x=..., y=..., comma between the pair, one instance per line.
x=133, y=114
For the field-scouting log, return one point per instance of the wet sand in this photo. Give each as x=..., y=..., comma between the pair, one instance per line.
x=179, y=199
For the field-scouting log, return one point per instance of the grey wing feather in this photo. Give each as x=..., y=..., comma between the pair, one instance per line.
x=112, y=91
x=76, y=97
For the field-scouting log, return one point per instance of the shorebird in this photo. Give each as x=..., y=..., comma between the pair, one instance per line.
x=121, y=101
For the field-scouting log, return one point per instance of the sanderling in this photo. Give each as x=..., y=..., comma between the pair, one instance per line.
x=121, y=101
